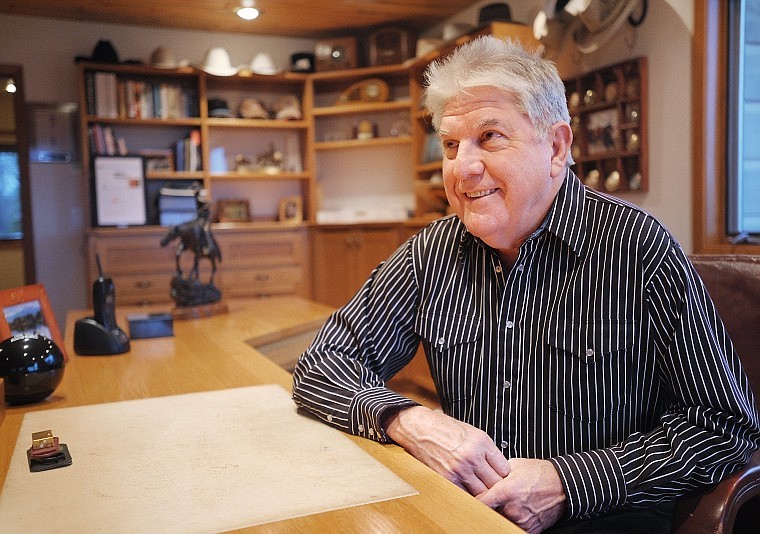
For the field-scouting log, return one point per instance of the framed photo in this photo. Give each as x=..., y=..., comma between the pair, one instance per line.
x=233, y=210
x=602, y=131
x=291, y=210
x=26, y=310
x=158, y=160
x=119, y=191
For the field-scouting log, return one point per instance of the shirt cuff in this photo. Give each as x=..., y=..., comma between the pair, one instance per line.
x=371, y=408
x=593, y=482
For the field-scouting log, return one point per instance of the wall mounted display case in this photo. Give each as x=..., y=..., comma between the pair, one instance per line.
x=608, y=115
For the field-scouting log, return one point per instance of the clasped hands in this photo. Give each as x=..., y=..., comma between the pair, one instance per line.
x=527, y=491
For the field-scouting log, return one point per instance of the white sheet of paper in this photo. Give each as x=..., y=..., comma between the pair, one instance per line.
x=200, y=462
x=120, y=190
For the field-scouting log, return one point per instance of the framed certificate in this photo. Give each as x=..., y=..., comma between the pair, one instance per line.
x=119, y=191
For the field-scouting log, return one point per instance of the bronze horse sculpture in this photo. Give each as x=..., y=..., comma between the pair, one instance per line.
x=195, y=236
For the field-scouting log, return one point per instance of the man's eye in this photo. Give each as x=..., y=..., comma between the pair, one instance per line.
x=450, y=149
x=490, y=136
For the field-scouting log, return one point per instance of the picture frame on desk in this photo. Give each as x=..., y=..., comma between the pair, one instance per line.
x=233, y=210
x=291, y=210
x=118, y=191
x=26, y=310
x=158, y=161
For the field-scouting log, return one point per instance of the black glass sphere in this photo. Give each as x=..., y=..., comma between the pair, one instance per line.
x=32, y=366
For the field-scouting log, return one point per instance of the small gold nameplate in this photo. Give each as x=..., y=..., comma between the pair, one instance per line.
x=43, y=439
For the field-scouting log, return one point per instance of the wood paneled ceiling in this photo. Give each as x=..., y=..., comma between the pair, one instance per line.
x=293, y=18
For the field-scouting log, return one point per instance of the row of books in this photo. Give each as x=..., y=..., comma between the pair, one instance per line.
x=111, y=97
x=103, y=142
x=186, y=150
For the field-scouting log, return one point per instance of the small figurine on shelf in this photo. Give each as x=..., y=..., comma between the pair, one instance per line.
x=194, y=298
x=270, y=162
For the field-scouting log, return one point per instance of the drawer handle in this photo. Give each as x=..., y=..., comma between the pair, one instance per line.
x=143, y=284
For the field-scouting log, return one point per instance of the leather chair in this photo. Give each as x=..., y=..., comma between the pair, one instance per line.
x=732, y=505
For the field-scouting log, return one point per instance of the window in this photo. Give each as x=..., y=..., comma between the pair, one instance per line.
x=10, y=195
x=743, y=121
x=710, y=152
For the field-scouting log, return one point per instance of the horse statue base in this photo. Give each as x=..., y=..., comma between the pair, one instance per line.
x=195, y=299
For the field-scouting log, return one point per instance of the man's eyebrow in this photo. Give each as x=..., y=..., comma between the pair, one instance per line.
x=488, y=123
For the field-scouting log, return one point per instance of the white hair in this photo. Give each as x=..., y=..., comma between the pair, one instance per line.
x=532, y=81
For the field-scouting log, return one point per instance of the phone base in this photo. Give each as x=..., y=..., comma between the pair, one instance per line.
x=92, y=339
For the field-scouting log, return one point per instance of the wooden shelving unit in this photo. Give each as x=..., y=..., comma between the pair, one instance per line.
x=608, y=109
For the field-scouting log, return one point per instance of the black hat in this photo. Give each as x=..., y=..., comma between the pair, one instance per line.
x=104, y=52
x=302, y=62
x=493, y=13
x=218, y=108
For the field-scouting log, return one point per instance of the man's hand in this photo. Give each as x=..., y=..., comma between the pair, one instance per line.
x=532, y=496
x=460, y=452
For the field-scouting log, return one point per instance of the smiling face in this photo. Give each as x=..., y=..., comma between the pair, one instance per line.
x=499, y=179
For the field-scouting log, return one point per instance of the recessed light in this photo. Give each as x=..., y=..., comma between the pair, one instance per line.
x=246, y=10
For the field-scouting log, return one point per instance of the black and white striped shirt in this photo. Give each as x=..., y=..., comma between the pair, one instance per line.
x=600, y=350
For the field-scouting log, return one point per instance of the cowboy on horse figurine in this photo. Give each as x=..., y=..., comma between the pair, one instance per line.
x=195, y=236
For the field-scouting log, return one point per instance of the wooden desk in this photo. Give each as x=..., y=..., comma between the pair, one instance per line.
x=212, y=353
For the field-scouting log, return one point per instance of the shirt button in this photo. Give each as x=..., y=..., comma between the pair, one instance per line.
x=504, y=444
x=498, y=268
x=441, y=341
x=510, y=324
x=507, y=384
x=520, y=268
x=329, y=418
x=361, y=428
x=589, y=352
x=371, y=431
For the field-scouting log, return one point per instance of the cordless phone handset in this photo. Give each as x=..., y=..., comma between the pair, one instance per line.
x=103, y=299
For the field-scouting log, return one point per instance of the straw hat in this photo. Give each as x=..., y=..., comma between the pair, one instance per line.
x=163, y=58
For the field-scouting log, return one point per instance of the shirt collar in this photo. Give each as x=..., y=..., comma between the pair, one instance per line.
x=566, y=216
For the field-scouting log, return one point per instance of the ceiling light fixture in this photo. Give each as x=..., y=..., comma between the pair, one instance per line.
x=10, y=87
x=246, y=10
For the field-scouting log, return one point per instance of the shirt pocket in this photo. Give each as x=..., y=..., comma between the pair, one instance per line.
x=589, y=375
x=452, y=343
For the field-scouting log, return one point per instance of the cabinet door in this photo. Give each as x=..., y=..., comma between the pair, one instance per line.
x=344, y=259
x=333, y=266
x=372, y=247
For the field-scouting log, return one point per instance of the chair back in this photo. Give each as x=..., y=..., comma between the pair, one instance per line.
x=733, y=282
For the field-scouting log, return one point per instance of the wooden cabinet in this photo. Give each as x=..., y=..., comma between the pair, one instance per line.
x=265, y=262
x=238, y=149
x=362, y=140
x=269, y=261
x=165, y=116
x=608, y=115
x=353, y=144
x=344, y=257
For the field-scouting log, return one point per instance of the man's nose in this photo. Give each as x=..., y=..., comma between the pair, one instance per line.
x=468, y=162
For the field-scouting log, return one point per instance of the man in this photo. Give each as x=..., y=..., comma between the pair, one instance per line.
x=582, y=368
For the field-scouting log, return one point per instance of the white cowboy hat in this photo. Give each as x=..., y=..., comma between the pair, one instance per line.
x=217, y=62
x=602, y=20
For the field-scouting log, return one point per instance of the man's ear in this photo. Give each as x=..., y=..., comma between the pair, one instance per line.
x=561, y=136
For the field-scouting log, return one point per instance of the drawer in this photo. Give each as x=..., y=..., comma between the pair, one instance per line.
x=263, y=249
x=134, y=256
x=280, y=280
x=142, y=288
